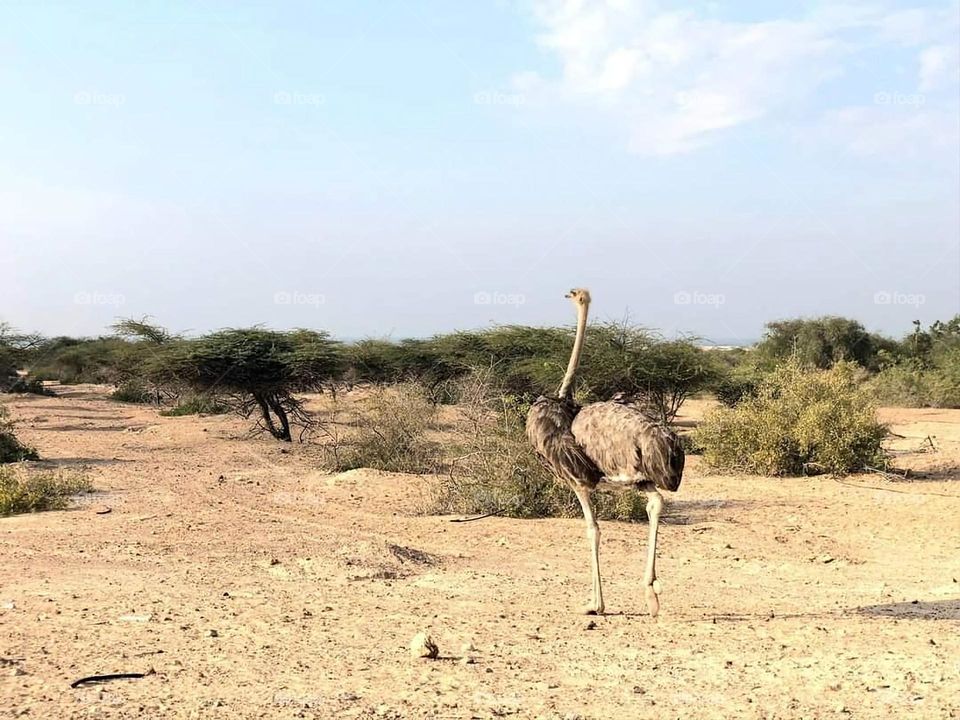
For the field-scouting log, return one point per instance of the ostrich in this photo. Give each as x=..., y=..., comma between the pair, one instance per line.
x=606, y=442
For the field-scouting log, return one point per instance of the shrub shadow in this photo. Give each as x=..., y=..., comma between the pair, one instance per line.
x=925, y=609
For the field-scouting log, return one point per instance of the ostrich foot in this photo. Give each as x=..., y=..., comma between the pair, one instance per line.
x=653, y=602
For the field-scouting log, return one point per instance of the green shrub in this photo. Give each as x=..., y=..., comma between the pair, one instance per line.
x=11, y=449
x=907, y=385
x=945, y=383
x=732, y=389
x=390, y=433
x=497, y=471
x=197, y=405
x=802, y=421
x=22, y=491
x=133, y=391
x=71, y=360
x=821, y=342
x=900, y=386
x=530, y=361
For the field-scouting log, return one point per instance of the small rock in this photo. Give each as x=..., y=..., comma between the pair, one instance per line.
x=9, y=605
x=423, y=646
x=212, y=633
x=590, y=626
x=135, y=618
x=826, y=559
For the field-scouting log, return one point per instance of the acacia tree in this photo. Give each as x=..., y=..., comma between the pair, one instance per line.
x=659, y=374
x=821, y=342
x=15, y=350
x=144, y=339
x=256, y=371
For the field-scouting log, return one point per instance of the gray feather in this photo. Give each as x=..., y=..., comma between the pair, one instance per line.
x=548, y=429
x=622, y=441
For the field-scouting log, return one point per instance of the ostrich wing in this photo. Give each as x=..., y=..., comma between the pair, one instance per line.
x=548, y=428
x=623, y=442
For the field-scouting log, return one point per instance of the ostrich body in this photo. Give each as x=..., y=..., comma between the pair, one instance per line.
x=606, y=442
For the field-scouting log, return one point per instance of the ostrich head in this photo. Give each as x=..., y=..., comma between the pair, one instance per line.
x=579, y=296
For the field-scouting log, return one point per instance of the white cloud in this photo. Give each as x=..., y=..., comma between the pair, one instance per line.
x=676, y=80
x=939, y=67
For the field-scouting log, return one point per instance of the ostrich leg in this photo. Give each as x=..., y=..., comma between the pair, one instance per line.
x=652, y=585
x=593, y=536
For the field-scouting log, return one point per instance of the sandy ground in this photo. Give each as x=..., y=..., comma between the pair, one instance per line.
x=251, y=585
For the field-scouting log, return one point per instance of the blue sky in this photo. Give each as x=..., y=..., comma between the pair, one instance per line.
x=407, y=168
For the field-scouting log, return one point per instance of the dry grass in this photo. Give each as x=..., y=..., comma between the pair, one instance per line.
x=23, y=491
x=388, y=430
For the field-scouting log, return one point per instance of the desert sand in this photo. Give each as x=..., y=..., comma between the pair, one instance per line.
x=248, y=584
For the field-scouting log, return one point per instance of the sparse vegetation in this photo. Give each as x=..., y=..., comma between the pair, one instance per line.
x=197, y=405
x=14, y=351
x=907, y=385
x=11, y=449
x=133, y=391
x=926, y=371
x=23, y=491
x=530, y=361
x=391, y=432
x=801, y=421
x=260, y=373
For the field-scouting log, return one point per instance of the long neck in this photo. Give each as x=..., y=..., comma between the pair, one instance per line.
x=566, y=387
